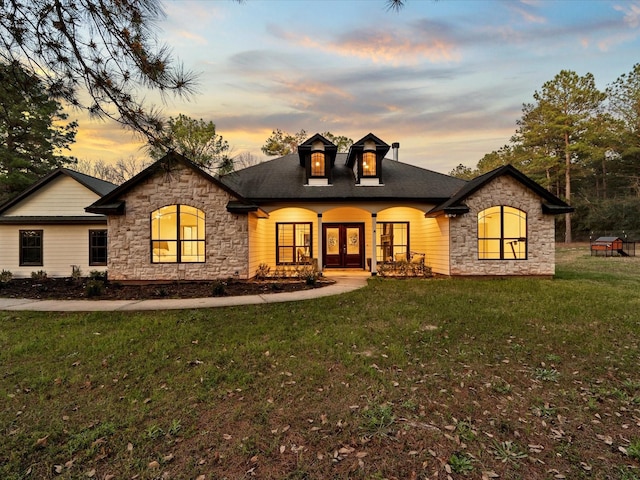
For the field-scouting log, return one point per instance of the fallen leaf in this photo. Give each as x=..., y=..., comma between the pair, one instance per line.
x=129, y=447
x=41, y=442
x=282, y=448
x=57, y=469
x=91, y=473
x=167, y=458
x=154, y=464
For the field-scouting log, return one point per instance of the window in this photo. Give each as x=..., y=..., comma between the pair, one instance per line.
x=177, y=235
x=293, y=243
x=369, y=164
x=502, y=234
x=30, y=247
x=317, y=164
x=393, y=241
x=97, y=247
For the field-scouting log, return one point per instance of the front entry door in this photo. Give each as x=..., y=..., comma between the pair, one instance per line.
x=343, y=245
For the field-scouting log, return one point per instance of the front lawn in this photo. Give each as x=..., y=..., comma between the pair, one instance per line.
x=407, y=379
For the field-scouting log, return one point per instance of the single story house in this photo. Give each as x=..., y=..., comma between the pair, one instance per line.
x=46, y=227
x=355, y=210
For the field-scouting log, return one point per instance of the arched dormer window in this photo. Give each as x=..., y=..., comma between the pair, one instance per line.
x=317, y=164
x=369, y=164
x=177, y=235
x=502, y=234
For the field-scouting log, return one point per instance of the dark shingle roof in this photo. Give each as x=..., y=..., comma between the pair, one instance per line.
x=284, y=179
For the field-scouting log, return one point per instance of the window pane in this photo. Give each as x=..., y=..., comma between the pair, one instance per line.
x=333, y=241
x=97, y=247
x=502, y=233
x=369, y=164
x=31, y=247
x=192, y=251
x=393, y=239
x=165, y=251
x=317, y=164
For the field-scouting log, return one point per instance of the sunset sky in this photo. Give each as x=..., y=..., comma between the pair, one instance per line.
x=446, y=79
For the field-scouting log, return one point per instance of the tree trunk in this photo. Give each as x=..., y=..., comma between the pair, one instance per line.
x=567, y=179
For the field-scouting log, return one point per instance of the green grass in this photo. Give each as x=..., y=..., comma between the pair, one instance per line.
x=526, y=378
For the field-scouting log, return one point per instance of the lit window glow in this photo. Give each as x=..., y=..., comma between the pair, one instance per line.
x=369, y=164
x=177, y=235
x=502, y=234
x=317, y=164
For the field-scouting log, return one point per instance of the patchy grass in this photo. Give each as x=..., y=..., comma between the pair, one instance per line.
x=411, y=379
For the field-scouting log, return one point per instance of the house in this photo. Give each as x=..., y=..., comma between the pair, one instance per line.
x=45, y=228
x=354, y=210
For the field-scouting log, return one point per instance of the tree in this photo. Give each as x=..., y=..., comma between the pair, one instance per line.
x=117, y=173
x=197, y=140
x=343, y=143
x=554, y=128
x=104, y=47
x=33, y=131
x=463, y=172
x=282, y=143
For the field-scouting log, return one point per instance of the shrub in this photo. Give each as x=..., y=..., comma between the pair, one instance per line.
x=308, y=273
x=39, y=275
x=76, y=273
x=218, y=289
x=262, y=271
x=5, y=276
x=94, y=288
x=98, y=275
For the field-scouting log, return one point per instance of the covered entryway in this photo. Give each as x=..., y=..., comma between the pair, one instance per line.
x=343, y=245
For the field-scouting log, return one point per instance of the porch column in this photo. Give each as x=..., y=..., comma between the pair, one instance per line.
x=320, y=239
x=374, y=239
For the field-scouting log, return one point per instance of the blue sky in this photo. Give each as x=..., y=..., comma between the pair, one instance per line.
x=446, y=79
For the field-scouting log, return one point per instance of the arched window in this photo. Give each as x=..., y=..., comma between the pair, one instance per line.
x=369, y=164
x=177, y=234
x=317, y=164
x=502, y=234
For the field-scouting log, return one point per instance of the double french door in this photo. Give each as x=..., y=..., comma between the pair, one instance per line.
x=343, y=245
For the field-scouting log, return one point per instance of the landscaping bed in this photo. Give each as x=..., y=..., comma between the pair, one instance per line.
x=73, y=289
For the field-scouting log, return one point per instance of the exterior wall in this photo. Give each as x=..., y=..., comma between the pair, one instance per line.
x=263, y=231
x=226, y=234
x=540, y=233
x=62, y=196
x=62, y=246
x=437, y=238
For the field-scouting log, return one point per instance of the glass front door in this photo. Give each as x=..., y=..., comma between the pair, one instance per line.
x=343, y=245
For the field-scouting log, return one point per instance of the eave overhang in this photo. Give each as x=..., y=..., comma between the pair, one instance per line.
x=51, y=220
x=244, y=208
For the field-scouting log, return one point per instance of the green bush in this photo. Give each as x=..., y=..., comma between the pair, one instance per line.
x=94, y=288
x=39, y=275
x=5, y=276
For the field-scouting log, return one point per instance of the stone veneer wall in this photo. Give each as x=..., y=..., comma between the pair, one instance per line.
x=503, y=190
x=226, y=234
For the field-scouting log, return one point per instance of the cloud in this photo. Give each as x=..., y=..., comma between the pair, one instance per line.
x=403, y=46
x=631, y=13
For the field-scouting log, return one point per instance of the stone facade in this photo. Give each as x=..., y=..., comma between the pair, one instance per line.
x=503, y=190
x=226, y=240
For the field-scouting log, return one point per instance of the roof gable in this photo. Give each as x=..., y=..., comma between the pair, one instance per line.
x=93, y=184
x=112, y=204
x=455, y=205
x=306, y=147
x=358, y=147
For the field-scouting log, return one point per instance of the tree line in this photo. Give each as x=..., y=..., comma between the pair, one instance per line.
x=582, y=144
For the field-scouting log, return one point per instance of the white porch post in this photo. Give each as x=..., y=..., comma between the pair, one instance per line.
x=319, y=259
x=374, y=239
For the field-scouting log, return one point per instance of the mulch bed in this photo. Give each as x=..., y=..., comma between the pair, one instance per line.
x=70, y=289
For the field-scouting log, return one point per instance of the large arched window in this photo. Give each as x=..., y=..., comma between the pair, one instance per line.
x=177, y=234
x=502, y=234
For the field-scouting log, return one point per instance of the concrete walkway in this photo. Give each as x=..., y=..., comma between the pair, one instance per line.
x=343, y=284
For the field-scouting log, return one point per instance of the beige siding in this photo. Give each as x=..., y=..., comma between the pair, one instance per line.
x=63, y=196
x=437, y=236
x=62, y=246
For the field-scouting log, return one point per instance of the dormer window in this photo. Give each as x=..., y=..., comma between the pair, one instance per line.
x=317, y=164
x=369, y=164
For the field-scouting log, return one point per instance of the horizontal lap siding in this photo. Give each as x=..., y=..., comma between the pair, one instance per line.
x=438, y=242
x=63, y=196
x=63, y=246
